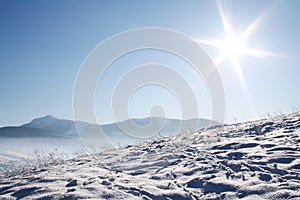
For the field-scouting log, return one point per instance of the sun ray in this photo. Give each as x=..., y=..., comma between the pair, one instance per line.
x=224, y=18
x=253, y=26
x=261, y=53
x=237, y=66
x=211, y=42
x=258, y=20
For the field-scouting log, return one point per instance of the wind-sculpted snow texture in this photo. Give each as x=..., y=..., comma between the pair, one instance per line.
x=252, y=160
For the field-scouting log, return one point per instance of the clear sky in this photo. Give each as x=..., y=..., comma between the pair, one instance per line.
x=43, y=43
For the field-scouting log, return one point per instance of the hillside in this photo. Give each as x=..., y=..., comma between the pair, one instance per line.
x=252, y=160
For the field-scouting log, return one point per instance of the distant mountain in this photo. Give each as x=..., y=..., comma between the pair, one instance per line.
x=47, y=126
x=123, y=133
x=50, y=126
x=169, y=126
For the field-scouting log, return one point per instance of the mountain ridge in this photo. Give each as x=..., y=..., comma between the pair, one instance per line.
x=52, y=124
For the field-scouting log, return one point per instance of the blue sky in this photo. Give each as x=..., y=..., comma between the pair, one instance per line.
x=43, y=44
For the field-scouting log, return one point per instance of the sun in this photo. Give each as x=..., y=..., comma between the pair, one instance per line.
x=233, y=46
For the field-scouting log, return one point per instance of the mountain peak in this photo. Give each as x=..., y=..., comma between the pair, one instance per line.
x=51, y=123
x=51, y=117
x=42, y=121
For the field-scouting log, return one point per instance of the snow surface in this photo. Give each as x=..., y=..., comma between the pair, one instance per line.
x=252, y=160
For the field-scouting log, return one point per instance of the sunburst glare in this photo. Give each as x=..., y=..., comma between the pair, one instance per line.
x=235, y=45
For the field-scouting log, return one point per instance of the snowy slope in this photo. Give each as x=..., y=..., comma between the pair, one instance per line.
x=253, y=160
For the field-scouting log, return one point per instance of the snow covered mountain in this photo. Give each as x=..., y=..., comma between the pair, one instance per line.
x=52, y=124
x=170, y=126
